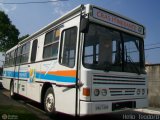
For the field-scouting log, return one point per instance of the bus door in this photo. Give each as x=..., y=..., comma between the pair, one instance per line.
x=33, y=70
x=17, y=84
x=65, y=86
x=21, y=70
x=16, y=69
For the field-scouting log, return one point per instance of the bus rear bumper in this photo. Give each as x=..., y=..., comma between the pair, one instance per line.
x=93, y=108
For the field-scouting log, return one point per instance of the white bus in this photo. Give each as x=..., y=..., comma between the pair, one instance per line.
x=89, y=61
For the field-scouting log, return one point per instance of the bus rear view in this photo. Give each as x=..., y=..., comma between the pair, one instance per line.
x=113, y=70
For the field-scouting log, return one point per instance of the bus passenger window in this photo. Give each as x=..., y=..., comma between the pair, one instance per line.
x=11, y=59
x=25, y=52
x=7, y=59
x=18, y=55
x=68, y=47
x=51, y=44
x=34, y=50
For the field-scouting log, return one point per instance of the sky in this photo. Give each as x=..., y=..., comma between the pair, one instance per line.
x=29, y=18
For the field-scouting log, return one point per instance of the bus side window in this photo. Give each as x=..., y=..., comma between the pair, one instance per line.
x=68, y=47
x=18, y=55
x=51, y=42
x=11, y=60
x=7, y=60
x=25, y=53
x=34, y=50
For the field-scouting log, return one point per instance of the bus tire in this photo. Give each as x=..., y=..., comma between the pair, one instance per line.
x=49, y=102
x=12, y=94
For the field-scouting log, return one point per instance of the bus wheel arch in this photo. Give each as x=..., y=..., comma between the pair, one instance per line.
x=12, y=94
x=47, y=94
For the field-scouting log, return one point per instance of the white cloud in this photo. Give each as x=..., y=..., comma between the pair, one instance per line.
x=7, y=8
x=60, y=8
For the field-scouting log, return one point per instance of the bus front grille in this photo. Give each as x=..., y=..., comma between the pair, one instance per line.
x=122, y=91
x=118, y=80
x=119, y=85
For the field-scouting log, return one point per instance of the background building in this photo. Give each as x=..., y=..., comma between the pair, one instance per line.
x=153, y=74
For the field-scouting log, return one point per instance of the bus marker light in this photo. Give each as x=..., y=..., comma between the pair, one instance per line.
x=86, y=91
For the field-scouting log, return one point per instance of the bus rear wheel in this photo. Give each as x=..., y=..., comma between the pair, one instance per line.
x=12, y=94
x=49, y=102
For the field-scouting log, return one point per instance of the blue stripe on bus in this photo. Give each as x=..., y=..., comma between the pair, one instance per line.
x=56, y=78
x=12, y=74
x=41, y=76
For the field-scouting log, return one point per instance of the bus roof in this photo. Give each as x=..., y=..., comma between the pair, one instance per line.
x=13, y=48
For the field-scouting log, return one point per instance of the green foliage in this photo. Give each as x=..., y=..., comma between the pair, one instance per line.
x=8, y=33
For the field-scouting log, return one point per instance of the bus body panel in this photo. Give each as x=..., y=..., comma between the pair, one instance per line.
x=8, y=75
x=65, y=96
x=33, y=87
x=6, y=83
x=34, y=91
x=22, y=88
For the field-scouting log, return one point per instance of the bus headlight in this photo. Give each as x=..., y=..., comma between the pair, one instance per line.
x=96, y=92
x=143, y=91
x=104, y=92
x=138, y=91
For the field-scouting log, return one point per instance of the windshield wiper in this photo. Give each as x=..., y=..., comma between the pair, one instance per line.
x=129, y=59
x=133, y=65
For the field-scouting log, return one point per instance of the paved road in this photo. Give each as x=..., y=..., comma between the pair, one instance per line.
x=125, y=115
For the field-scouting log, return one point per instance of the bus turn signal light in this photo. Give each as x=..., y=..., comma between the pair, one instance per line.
x=86, y=91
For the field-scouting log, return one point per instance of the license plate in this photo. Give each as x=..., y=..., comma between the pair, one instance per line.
x=101, y=107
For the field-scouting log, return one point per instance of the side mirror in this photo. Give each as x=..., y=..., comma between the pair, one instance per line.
x=84, y=25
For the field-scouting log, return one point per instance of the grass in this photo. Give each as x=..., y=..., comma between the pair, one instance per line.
x=16, y=113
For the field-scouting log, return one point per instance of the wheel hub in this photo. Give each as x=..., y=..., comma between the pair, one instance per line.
x=49, y=102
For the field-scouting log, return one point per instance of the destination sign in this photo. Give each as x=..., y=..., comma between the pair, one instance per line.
x=117, y=21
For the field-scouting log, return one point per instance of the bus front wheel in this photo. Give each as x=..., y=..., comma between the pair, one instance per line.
x=49, y=101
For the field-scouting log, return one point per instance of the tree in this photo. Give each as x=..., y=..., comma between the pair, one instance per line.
x=23, y=37
x=8, y=33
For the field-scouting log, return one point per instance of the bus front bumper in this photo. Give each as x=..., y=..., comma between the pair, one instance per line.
x=102, y=107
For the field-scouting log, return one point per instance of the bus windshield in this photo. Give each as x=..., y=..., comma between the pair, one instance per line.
x=113, y=50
